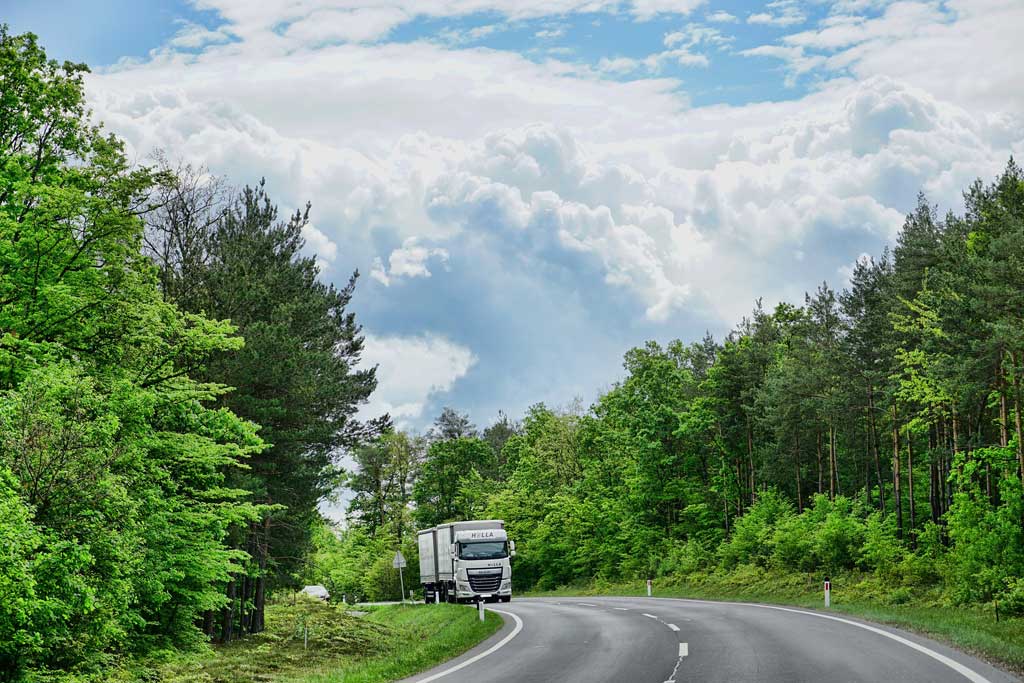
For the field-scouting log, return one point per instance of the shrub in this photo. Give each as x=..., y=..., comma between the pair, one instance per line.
x=751, y=540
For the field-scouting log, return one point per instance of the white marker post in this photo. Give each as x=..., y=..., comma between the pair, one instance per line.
x=828, y=593
x=399, y=564
x=648, y=588
x=480, y=608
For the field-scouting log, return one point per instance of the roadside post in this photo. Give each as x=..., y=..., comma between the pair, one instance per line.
x=480, y=608
x=828, y=592
x=399, y=564
x=648, y=588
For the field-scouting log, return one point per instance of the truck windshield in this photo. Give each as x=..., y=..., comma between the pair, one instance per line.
x=483, y=550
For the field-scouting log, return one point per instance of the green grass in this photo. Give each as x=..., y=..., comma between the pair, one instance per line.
x=970, y=629
x=386, y=644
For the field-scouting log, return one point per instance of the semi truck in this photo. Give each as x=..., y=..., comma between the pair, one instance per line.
x=466, y=562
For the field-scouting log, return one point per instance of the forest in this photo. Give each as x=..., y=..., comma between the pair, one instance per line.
x=178, y=387
x=874, y=430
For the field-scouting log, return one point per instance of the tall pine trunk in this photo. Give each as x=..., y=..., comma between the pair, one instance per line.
x=910, y=481
x=875, y=448
x=799, y=492
x=821, y=481
x=1016, y=415
x=896, y=472
x=750, y=456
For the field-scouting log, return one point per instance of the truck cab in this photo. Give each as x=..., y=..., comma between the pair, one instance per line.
x=482, y=565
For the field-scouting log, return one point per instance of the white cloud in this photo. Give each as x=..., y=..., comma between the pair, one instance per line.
x=550, y=33
x=967, y=51
x=369, y=20
x=325, y=249
x=410, y=371
x=721, y=17
x=192, y=36
x=410, y=261
x=676, y=208
x=354, y=25
x=648, y=9
x=781, y=13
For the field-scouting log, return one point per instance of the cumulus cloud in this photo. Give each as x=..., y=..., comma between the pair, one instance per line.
x=780, y=13
x=958, y=48
x=362, y=20
x=409, y=261
x=541, y=180
x=411, y=370
x=325, y=249
x=722, y=17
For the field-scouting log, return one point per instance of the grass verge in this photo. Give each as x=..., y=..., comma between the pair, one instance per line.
x=386, y=644
x=970, y=629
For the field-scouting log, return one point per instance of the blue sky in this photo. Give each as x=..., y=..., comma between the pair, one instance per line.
x=529, y=188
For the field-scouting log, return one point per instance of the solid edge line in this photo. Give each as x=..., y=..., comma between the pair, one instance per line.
x=967, y=673
x=500, y=644
x=673, y=627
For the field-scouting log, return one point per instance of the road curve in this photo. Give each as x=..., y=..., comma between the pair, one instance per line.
x=661, y=640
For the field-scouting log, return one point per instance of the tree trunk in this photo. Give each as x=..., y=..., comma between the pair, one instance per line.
x=831, y=462
x=896, y=472
x=260, y=599
x=869, y=498
x=910, y=482
x=1016, y=415
x=821, y=481
x=1004, y=421
x=799, y=493
x=227, y=628
x=750, y=456
x=208, y=623
x=875, y=448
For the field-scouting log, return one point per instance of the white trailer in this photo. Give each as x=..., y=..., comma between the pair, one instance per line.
x=466, y=561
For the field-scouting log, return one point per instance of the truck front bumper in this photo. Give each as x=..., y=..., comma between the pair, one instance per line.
x=463, y=591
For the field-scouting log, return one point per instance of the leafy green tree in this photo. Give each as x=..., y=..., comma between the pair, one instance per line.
x=114, y=450
x=446, y=465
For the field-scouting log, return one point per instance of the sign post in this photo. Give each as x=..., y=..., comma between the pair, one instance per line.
x=399, y=563
x=828, y=593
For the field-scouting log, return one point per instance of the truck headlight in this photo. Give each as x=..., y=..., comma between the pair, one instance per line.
x=507, y=583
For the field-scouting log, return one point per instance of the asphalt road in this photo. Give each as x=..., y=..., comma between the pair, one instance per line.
x=659, y=640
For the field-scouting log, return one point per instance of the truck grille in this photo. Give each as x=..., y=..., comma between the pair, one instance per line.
x=488, y=582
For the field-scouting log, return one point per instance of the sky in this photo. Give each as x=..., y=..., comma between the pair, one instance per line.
x=529, y=188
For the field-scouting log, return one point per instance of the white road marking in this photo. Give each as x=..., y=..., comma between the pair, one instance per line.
x=588, y=604
x=684, y=649
x=673, y=627
x=649, y=615
x=497, y=646
x=621, y=609
x=967, y=673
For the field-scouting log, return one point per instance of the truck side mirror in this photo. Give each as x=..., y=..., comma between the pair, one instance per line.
x=512, y=546
x=512, y=554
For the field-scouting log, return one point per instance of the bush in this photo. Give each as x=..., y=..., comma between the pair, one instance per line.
x=881, y=552
x=751, y=540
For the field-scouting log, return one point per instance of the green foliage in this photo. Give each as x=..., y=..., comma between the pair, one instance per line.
x=438, y=490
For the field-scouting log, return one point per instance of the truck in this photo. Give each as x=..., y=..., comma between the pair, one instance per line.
x=466, y=562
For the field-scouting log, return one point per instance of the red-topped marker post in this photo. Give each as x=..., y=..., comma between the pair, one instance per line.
x=828, y=593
